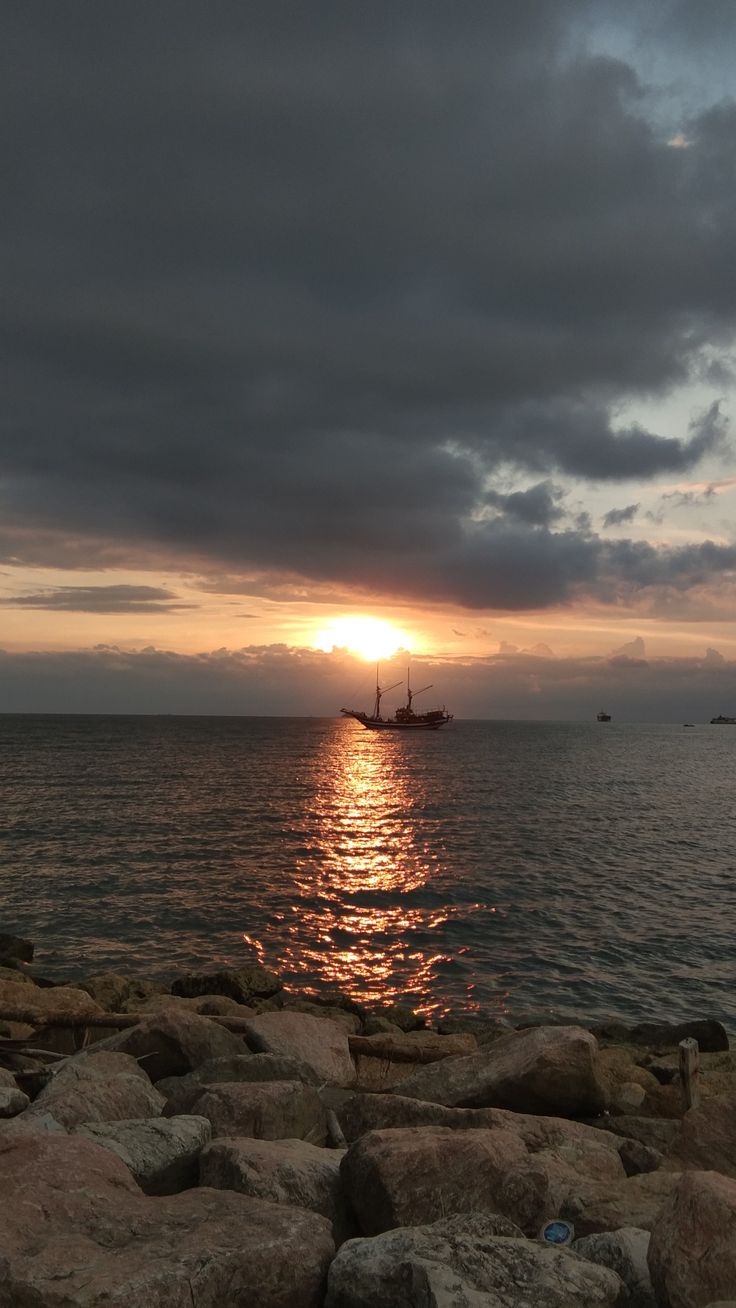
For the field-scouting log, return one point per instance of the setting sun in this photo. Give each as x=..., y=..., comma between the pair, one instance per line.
x=370, y=638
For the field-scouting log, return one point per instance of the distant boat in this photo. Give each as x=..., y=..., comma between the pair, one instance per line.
x=603, y=717
x=404, y=719
x=688, y=724
x=720, y=720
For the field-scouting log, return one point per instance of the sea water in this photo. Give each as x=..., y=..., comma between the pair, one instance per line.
x=512, y=868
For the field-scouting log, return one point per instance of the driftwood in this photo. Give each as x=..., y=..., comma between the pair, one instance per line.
x=392, y=1051
x=117, y=1021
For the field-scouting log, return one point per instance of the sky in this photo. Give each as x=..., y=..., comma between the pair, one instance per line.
x=415, y=313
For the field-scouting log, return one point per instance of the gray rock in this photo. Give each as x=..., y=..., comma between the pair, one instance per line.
x=161, y=1153
x=282, y=1172
x=173, y=1042
x=97, y=1087
x=543, y=1070
x=111, y=990
x=625, y=1252
x=417, y=1175
x=657, y=1133
x=16, y=947
x=77, y=1230
x=237, y=1068
x=706, y=1138
x=465, y=1262
x=241, y=984
x=710, y=1034
x=692, y=1253
x=316, y=1041
x=25, y=1125
x=266, y=1110
x=12, y=1099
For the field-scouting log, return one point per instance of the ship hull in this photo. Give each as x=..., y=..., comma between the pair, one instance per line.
x=385, y=724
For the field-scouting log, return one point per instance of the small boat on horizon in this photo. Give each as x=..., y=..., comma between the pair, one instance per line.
x=603, y=717
x=404, y=719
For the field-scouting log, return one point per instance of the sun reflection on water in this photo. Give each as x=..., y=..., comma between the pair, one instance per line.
x=357, y=922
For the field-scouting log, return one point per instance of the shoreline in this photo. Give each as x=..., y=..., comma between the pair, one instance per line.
x=284, y=1151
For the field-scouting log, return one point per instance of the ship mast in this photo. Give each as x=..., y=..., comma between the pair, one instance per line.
x=411, y=693
x=379, y=693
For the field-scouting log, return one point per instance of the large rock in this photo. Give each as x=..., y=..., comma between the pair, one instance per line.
x=707, y=1138
x=265, y=1110
x=282, y=1172
x=344, y=1017
x=42, y=1007
x=76, y=1230
x=542, y=1070
x=654, y=1133
x=15, y=947
x=316, y=1041
x=205, y=1005
x=692, y=1254
x=172, y=1043
x=112, y=991
x=12, y=1099
x=625, y=1252
x=465, y=1262
x=636, y=1201
x=419, y=1174
x=161, y=1153
x=97, y=1087
x=710, y=1034
x=241, y=984
x=182, y=1090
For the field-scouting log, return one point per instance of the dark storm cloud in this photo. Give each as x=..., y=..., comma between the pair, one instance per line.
x=284, y=285
x=539, y=506
x=98, y=599
x=615, y=517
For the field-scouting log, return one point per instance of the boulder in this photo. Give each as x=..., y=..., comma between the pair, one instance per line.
x=45, y=1005
x=206, y=1005
x=706, y=1139
x=161, y=1153
x=111, y=990
x=343, y=1017
x=466, y=1261
x=541, y=1070
x=172, y=1043
x=416, y=1175
x=239, y=1067
x=710, y=1034
x=636, y=1201
x=15, y=947
x=241, y=984
x=265, y=1110
x=316, y=1041
x=692, y=1254
x=561, y=1182
x=625, y=1252
x=77, y=1230
x=16, y=977
x=12, y=1099
x=654, y=1133
x=282, y=1172
x=97, y=1087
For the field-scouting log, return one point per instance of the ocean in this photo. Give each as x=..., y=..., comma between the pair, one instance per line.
x=515, y=869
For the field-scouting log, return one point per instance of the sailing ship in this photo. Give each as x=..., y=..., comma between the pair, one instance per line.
x=721, y=721
x=404, y=719
x=603, y=716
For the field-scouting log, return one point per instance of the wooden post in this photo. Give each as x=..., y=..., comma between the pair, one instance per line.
x=689, y=1072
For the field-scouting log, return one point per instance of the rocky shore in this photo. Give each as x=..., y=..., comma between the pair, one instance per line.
x=217, y=1142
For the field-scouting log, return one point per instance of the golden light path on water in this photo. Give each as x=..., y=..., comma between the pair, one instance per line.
x=353, y=921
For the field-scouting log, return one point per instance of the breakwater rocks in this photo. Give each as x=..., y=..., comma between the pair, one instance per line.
x=219, y=1143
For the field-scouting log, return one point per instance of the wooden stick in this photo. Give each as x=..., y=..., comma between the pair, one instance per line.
x=119, y=1021
x=390, y=1052
x=690, y=1072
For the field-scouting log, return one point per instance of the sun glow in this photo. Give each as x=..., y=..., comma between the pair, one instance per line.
x=369, y=638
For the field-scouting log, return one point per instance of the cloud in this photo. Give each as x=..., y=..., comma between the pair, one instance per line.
x=278, y=680
x=633, y=649
x=99, y=599
x=615, y=517
x=283, y=308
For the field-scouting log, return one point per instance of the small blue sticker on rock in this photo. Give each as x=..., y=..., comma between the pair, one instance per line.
x=557, y=1232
